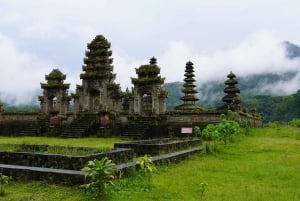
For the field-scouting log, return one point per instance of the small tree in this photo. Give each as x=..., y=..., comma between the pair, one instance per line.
x=197, y=131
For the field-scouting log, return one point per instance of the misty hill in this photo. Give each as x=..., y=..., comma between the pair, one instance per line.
x=210, y=93
x=260, y=91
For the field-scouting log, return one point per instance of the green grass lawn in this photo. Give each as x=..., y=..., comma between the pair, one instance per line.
x=76, y=142
x=262, y=166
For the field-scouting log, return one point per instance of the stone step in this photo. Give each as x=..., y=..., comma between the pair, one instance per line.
x=79, y=126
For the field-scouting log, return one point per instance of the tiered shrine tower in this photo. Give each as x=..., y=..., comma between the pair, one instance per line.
x=55, y=98
x=149, y=96
x=189, y=99
x=98, y=90
x=231, y=98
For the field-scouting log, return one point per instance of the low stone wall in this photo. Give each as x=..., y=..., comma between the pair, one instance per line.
x=58, y=161
x=57, y=176
x=13, y=128
x=18, y=116
x=73, y=177
x=190, y=119
x=158, y=146
x=254, y=122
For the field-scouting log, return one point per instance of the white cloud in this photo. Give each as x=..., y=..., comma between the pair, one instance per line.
x=260, y=53
x=214, y=35
x=21, y=72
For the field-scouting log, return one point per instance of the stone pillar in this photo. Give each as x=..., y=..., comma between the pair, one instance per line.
x=162, y=106
x=155, y=105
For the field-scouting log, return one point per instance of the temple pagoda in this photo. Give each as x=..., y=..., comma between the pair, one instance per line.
x=231, y=98
x=189, y=99
x=55, y=98
x=148, y=92
x=98, y=89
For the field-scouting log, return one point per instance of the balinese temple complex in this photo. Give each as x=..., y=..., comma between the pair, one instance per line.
x=100, y=106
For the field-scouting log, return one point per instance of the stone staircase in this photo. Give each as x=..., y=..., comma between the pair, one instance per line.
x=30, y=130
x=43, y=124
x=136, y=128
x=80, y=126
x=37, y=127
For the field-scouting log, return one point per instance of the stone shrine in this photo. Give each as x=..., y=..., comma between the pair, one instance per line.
x=55, y=98
x=149, y=96
x=98, y=90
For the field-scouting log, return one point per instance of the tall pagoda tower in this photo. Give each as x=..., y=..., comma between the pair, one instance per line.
x=149, y=96
x=189, y=99
x=98, y=89
x=231, y=98
x=55, y=98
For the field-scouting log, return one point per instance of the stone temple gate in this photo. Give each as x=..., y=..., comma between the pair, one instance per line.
x=55, y=98
x=149, y=96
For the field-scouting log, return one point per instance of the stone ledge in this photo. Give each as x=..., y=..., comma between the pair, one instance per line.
x=74, y=177
x=163, y=159
x=26, y=173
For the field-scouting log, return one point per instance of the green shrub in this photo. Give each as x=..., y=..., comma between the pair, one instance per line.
x=295, y=122
x=145, y=167
x=272, y=124
x=4, y=180
x=145, y=164
x=197, y=131
x=100, y=173
x=224, y=131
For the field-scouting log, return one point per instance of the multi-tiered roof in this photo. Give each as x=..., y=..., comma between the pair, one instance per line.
x=97, y=63
x=231, y=91
x=148, y=74
x=55, y=80
x=189, y=99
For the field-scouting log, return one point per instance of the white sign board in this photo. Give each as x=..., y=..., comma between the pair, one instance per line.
x=186, y=130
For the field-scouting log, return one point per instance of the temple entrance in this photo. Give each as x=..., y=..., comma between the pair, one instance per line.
x=94, y=101
x=52, y=105
x=147, y=104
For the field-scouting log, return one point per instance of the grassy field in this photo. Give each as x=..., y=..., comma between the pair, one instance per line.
x=262, y=166
x=76, y=142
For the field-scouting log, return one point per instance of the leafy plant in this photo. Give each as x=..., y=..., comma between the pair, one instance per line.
x=224, y=130
x=101, y=173
x=203, y=188
x=295, y=122
x=4, y=180
x=145, y=164
x=211, y=132
x=146, y=167
x=197, y=131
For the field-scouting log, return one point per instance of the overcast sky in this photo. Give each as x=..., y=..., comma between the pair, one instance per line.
x=216, y=35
